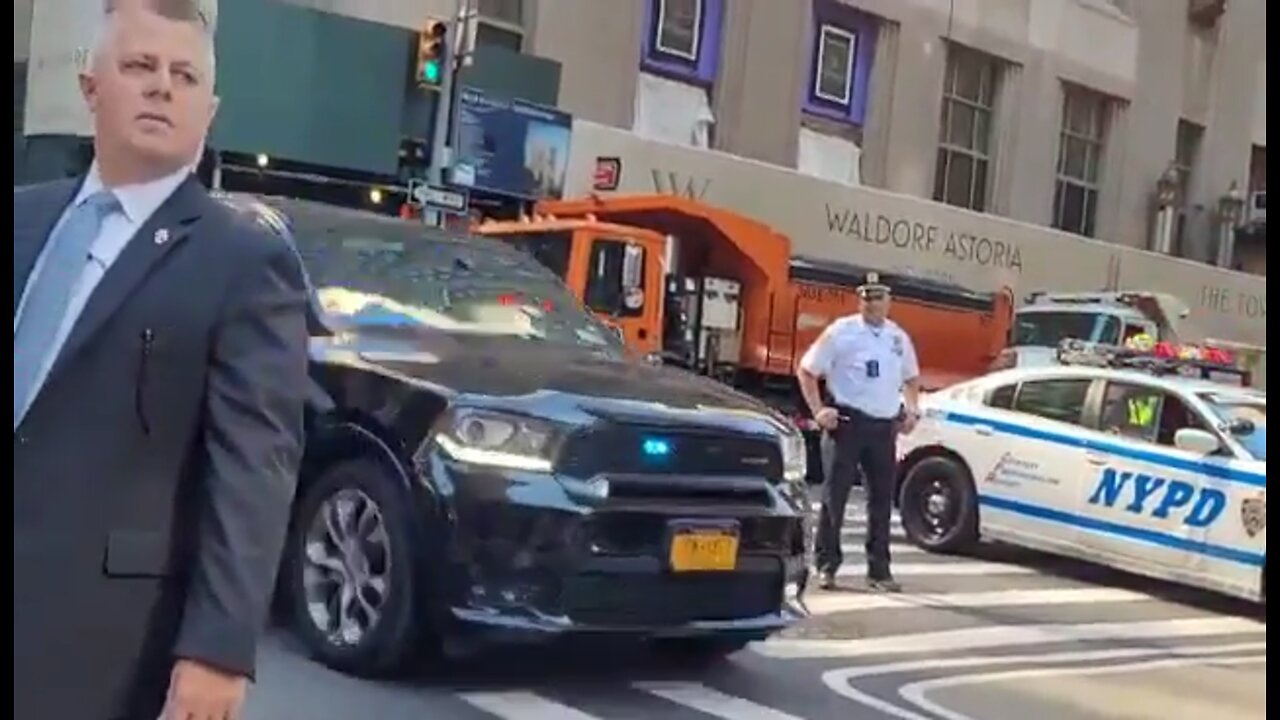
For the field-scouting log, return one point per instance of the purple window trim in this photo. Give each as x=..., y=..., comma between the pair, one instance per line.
x=704, y=70
x=865, y=28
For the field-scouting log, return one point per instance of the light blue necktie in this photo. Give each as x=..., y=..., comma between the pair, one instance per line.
x=49, y=293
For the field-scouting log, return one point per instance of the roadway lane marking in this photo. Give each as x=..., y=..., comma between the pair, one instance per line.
x=841, y=681
x=522, y=706
x=958, y=569
x=712, y=702
x=827, y=604
x=1000, y=636
x=916, y=693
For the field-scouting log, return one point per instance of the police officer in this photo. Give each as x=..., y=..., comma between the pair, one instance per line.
x=872, y=374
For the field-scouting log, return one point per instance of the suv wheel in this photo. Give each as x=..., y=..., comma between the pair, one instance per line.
x=351, y=584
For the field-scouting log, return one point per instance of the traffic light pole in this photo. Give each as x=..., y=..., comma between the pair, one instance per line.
x=440, y=163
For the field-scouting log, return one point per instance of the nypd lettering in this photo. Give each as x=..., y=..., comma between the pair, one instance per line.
x=1158, y=497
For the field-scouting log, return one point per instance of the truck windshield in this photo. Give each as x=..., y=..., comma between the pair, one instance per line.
x=1049, y=329
x=1231, y=410
x=372, y=273
x=552, y=249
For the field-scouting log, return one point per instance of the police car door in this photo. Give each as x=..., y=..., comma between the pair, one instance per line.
x=1029, y=478
x=1147, y=504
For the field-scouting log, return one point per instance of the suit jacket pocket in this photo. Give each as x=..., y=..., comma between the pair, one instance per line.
x=138, y=554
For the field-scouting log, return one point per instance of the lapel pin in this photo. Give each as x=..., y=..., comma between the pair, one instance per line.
x=162, y=236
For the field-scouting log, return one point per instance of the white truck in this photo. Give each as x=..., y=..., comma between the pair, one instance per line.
x=1112, y=318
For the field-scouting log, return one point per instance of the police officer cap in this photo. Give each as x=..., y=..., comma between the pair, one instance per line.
x=872, y=284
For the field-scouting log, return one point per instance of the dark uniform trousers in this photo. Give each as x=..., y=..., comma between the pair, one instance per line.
x=869, y=443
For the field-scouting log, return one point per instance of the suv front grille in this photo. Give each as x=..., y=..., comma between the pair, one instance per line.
x=639, y=450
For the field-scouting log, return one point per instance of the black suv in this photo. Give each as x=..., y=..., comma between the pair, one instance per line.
x=483, y=454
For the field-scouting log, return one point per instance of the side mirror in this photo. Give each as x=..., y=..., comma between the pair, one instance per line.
x=632, y=267
x=1196, y=441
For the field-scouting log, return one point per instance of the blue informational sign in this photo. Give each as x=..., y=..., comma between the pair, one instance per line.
x=511, y=147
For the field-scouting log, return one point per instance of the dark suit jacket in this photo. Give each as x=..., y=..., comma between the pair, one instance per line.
x=154, y=473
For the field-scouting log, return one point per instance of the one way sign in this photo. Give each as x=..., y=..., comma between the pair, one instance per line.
x=434, y=197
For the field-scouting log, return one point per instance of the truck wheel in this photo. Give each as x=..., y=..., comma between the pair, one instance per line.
x=352, y=587
x=939, y=505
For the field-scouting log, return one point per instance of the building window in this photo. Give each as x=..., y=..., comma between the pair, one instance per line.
x=1185, y=154
x=489, y=35
x=1186, y=150
x=842, y=51
x=962, y=177
x=682, y=40
x=1080, y=152
x=679, y=28
x=506, y=11
x=500, y=23
x=833, y=80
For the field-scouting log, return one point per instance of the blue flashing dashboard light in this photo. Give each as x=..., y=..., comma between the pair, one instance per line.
x=656, y=448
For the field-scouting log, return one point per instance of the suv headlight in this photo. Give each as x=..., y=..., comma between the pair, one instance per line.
x=498, y=439
x=795, y=457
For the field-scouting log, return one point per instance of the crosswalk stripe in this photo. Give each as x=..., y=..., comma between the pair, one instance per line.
x=1001, y=636
x=518, y=705
x=895, y=548
x=955, y=569
x=828, y=604
x=712, y=702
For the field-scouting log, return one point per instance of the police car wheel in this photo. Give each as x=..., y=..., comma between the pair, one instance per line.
x=939, y=505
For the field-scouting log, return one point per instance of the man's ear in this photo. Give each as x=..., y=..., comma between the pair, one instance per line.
x=89, y=89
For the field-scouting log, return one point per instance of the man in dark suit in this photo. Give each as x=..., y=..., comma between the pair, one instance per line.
x=159, y=380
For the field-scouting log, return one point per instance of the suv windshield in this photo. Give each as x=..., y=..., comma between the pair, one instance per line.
x=1231, y=410
x=371, y=272
x=1049, y=329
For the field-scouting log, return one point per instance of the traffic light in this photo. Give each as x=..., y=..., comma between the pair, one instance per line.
x=433, y=54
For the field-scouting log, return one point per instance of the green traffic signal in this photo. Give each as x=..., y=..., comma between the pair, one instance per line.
x=431, y=72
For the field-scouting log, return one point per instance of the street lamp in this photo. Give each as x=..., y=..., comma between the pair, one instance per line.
x=1167, y=186
x=1230, y=212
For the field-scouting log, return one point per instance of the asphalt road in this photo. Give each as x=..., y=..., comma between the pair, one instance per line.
x=1003, y=634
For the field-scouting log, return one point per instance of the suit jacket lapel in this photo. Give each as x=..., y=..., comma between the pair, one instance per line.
x=32, y=226
x=168, y=227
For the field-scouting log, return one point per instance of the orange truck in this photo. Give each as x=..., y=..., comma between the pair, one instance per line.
x=721, y=294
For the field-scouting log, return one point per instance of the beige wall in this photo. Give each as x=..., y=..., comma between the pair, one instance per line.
x=21, y=29
x=1150, y=60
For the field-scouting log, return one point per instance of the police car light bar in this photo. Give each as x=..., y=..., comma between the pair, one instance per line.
x=1206, y=363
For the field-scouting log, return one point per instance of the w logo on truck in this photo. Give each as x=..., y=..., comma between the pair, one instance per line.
x=672, y=183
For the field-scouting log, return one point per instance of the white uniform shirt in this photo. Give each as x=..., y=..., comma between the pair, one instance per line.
x=137, y=204
x=865, y=366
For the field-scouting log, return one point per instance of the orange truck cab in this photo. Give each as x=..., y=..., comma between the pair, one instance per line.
x=722, y=294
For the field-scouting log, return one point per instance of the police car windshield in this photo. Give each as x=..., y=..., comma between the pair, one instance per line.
x=1049, y=329
x=370, y=273
x=1232, y=410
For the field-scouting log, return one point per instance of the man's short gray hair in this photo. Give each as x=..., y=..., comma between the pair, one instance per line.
x=194, y=12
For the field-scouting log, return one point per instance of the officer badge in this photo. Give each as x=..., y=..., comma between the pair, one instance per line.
x=897, y=345
x=1253, y=514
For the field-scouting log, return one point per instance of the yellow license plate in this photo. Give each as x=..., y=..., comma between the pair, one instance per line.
x=704, y=552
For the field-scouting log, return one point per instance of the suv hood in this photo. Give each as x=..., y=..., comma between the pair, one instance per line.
x=512, y=371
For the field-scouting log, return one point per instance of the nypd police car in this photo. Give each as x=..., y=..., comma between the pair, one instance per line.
x=1129, y=460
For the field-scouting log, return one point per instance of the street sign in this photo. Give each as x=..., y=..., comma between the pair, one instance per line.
x=434, y=197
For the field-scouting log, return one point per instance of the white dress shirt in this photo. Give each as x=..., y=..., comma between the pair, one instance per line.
x=137, y=204
x=865, y=366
